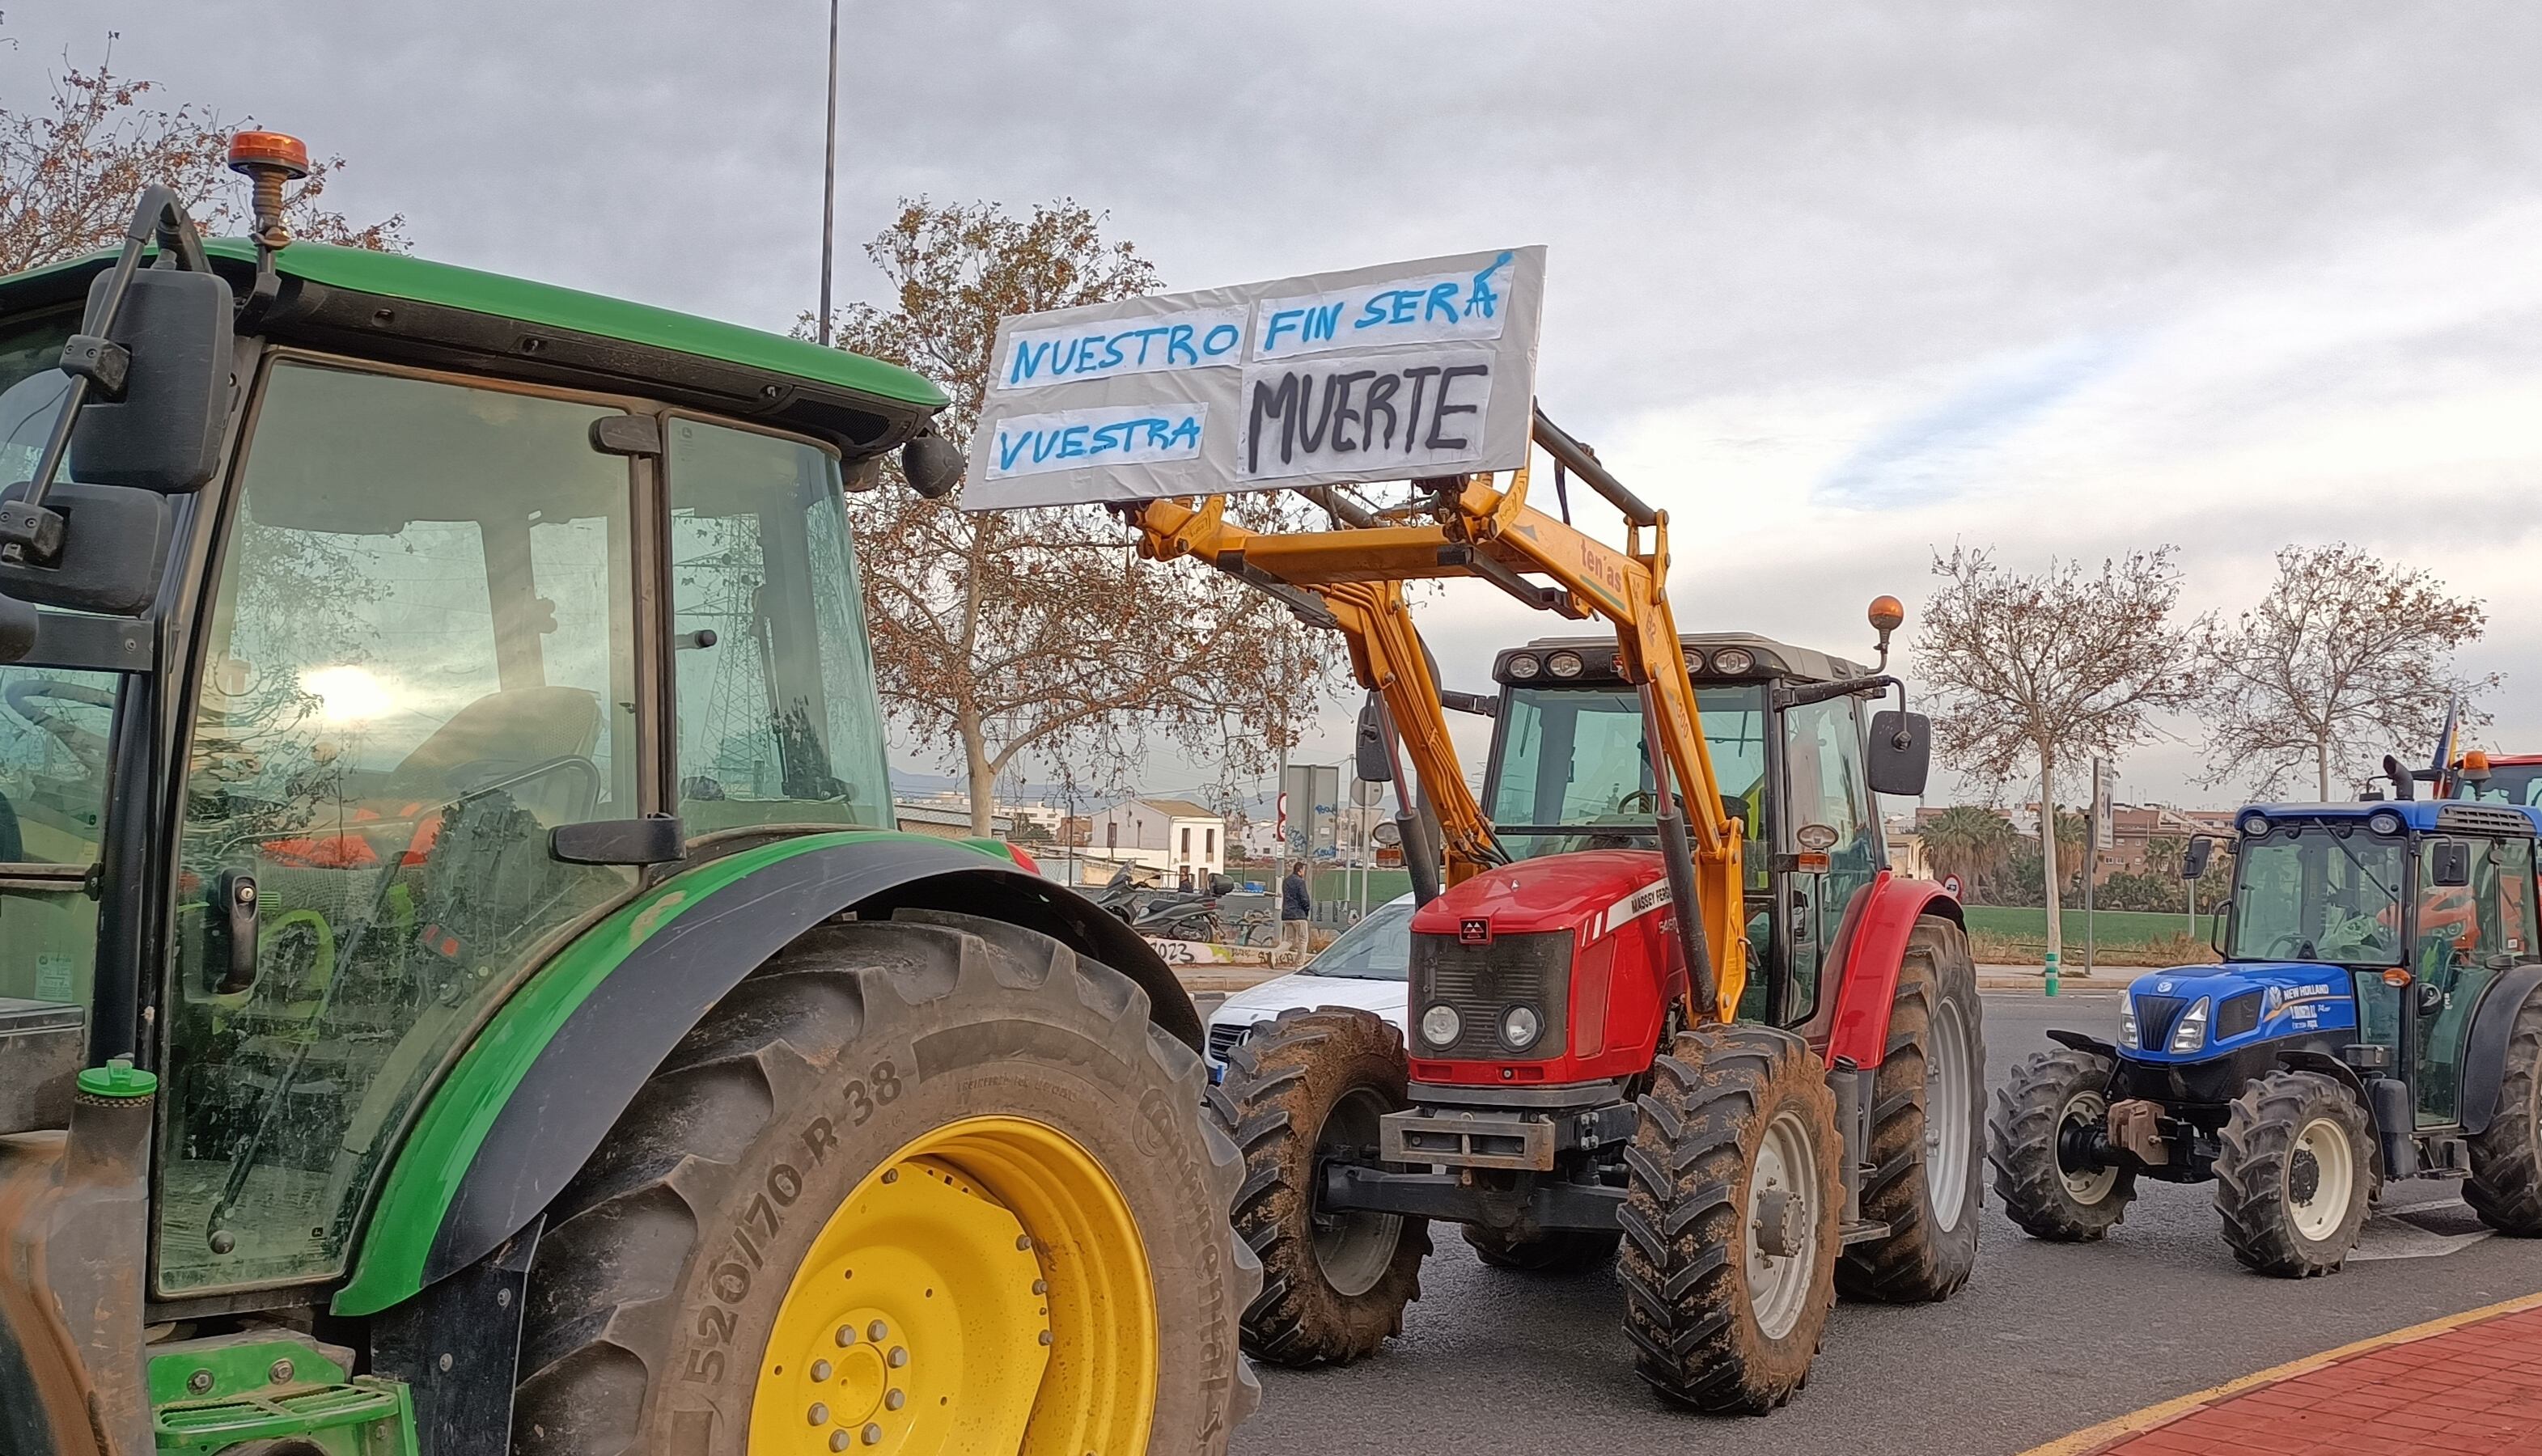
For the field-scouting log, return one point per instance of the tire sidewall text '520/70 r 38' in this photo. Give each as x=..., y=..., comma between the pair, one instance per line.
x=983, y=1126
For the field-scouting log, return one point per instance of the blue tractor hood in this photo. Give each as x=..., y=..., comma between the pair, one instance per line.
x=2248, y=1002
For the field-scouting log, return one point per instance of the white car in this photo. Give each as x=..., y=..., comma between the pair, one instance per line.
x=1368, y=968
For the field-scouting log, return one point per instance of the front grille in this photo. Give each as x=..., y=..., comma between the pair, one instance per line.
x=1482, y=982
x=2235, y=1015
x=2155, y=1016
x=1225, y=1039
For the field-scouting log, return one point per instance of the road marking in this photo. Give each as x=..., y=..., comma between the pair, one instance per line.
x=2137, y=1422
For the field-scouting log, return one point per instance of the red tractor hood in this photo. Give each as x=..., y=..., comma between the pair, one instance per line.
x=1594, y=892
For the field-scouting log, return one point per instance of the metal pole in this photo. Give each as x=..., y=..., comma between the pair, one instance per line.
x=829, y=177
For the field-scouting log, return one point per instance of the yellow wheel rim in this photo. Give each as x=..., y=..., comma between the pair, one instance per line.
x=984, y=1292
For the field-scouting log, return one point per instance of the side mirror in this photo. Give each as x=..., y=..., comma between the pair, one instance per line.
x=1373, y=762
x=1385, y=833
x=162, y=430
x=1900, y=756
x=2194, y=858
x=114, y=540
x=2449, y=861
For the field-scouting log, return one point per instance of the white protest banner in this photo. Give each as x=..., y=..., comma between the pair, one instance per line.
x=1424, y=368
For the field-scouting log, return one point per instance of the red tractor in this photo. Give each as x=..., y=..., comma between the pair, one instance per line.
x=1665, y=992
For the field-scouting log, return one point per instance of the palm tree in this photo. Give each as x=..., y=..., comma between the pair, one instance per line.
x=1970, y=840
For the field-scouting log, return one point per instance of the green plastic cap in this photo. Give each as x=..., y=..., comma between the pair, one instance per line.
x=117, y=1078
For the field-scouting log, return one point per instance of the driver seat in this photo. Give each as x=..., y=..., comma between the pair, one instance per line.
x=501, y=734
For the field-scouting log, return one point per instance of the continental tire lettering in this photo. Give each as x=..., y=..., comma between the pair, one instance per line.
x=986, y=1042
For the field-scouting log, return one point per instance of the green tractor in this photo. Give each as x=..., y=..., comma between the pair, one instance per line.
x=460, y=986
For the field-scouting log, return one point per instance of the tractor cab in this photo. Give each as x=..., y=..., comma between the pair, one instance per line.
x=2371, y=1016
x=1570, y=769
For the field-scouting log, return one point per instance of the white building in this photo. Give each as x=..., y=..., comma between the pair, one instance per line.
x=1165, y=834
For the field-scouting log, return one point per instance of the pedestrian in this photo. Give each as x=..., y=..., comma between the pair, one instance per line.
x=1186, y=886
x=1296, y=911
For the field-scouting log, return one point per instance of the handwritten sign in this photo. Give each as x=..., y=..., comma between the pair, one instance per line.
x=1424, y=368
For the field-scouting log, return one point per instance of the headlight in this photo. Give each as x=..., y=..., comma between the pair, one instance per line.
x=2384, y=821
x=1564, y=664
x=2252, y=825
x=1523, y=667
x=1520, y=1027
x=1693, y=662
x=1441, y=1025
x=2128, y=1022
x=2191, y=1033
x=1732, y=661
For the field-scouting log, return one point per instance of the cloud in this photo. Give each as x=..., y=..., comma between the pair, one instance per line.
x=1834, y=284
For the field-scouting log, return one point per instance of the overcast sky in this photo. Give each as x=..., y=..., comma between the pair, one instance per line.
x=1837, y=283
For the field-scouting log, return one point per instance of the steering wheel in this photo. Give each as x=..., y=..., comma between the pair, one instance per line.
x=31, y=699
x=1642, y=801
x=2284, y=947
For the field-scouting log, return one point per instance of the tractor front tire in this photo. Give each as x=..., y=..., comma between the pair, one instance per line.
x=928, y=1183
x=1737, y=1153
x=2505, y=1183
x=1927, y=1129
x=2292, y=1174
x=1301, y=1092
x=2048, y=1094
x=1561, y=1251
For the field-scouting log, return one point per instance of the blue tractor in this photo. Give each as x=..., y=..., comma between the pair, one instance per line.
x=2374, y=1016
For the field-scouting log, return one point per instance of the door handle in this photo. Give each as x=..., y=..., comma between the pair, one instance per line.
x=233, y=941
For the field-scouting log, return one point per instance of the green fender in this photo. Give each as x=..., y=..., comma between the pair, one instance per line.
x=543, y=1083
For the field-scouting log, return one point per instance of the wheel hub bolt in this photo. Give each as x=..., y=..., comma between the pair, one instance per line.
x=819, y=1415
x=820, y=1369
x=873, y=1435
x=895, y=1399
x=838, y=1440
x=847, y=1336
x=876, y=1332
x=1777, y=1224
x=898, y=1358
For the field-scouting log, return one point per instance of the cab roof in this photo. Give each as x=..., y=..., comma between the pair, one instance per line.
x=2425, y=816
x=388, y=304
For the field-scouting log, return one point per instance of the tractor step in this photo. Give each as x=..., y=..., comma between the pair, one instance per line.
x=1860, y=1231
x=222, y=1424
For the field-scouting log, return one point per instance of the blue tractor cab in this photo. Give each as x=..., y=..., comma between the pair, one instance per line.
x=2373, y=1016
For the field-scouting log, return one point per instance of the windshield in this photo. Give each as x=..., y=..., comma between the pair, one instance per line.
x=2508, y=783
x=1572, y=774
x=1379, y=948
x=2319, y=893
x=54, y=726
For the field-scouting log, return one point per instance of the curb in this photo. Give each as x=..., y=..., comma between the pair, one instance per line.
x=2110, y=1433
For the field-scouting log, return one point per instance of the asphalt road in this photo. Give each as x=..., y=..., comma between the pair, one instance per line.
x=2045, y=1340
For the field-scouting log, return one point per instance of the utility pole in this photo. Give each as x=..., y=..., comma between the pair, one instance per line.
x=829, y=177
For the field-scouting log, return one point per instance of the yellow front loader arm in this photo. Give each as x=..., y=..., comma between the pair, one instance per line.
x=1475, y=529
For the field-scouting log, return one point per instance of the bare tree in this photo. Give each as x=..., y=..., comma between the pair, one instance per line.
x=2347, y=656
x=1042, y=632
x=71, y=167
x=2048, y=670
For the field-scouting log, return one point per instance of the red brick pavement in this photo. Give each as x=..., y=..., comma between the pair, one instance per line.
x=2473, y=1390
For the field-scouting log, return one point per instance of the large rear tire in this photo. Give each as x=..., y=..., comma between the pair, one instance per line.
x=1733, y=1197
x=2048, y=1096
x=932, y=1183
x=2293, y=1168
x=2505, y=1183
x=1302, y=1091
x=1927, y=1129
